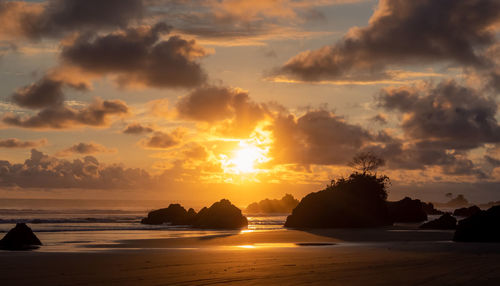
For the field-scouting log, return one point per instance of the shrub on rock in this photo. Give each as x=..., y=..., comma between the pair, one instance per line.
x=356, y=201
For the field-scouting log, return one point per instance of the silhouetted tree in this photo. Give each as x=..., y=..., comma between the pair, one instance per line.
x=366, y=162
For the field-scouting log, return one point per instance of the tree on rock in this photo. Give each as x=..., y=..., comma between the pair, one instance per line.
x=366, y=162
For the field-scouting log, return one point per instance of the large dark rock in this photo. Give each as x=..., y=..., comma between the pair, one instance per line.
x=21, y=237
x=220, y=215
x=446, y=221
x=175, y=214
x=356, y=201
x=406, y=210
x=467, y=212
x=483, y=226
x=430, y=210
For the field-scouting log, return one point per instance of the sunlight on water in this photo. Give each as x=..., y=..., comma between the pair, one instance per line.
x=266, y=245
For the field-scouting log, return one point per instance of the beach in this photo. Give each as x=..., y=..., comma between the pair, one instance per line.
x=280, y=257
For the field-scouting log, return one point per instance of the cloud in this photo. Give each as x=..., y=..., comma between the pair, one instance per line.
x=317, y=137
x=43, y=171
x=96, y=114
x=446, y=115
x=149, y=60
x=402, y=32
x=85, y=149
x=45, y=92
x=55, y=18
x=163, y=140
x=16, y=143
x=240, y=22
x=213, y=104
x=137, y=128
x=380, y=118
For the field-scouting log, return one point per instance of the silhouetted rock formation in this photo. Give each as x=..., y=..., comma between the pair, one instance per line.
x=21, y=237
x=356, y=201
x=467, y=212
x=483, y=226
x=446, y=221
x=267, y=206
x=459, y=201
x=174, y=214
x=406, y=210
x=221, y=215
x=430, y=210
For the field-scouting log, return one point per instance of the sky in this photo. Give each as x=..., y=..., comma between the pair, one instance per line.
x=193, y=101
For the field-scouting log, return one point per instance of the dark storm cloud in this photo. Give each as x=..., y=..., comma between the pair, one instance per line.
x=46, y=92
x=447, y=115
x=83, y=148
x=136, y=128
x=43, y=171
x=402, y=155
x=16, y=143
x=404, y=32
x=380, y=118
x=317, y=137
x=493, y=161
x=163, y=140
x=213, y=103
x=60, y=117
x=138, y=56
x=56, y=17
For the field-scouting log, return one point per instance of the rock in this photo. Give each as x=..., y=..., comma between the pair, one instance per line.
x=466, y=212
x=407, y=210
x=21, y=237
x=446, y=221
x=430, y=210
x=458, y=201
x=285, y=205
x=221, y=215
x=174, y=214
x=483, y=226
x=356, y=201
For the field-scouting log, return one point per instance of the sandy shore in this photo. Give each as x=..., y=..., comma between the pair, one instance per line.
x=325, y=257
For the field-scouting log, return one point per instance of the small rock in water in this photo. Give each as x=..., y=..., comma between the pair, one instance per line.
x=21, y=237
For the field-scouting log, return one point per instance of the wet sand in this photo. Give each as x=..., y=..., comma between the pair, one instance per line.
x=285, y=257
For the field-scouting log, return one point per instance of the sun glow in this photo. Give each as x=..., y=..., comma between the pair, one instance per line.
x=245, y=159
x=249, y=155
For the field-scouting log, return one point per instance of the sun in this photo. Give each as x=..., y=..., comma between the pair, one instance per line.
x=245, y=158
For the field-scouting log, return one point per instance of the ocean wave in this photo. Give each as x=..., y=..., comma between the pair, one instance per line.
x=70, y=220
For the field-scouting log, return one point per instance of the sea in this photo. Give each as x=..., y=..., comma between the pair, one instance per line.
x=73, y=225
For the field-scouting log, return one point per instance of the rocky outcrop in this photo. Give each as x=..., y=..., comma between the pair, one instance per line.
x=467, y=212
x=285, y=205
x=220, y=215
x=21, y=237
x=357, y=201
x=175, y=214
x=446, y=221
x=483, y=226
x=430, y=210
x=406, y=210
